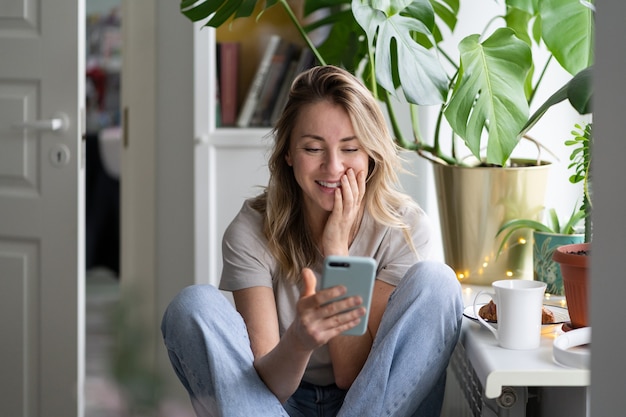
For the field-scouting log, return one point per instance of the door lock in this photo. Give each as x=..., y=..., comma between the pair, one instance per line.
x=60, y=155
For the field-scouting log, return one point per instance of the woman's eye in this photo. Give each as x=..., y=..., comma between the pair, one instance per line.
x=351, y=150
x=313, y=150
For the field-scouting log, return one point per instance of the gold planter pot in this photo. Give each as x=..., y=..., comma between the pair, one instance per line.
x=473, y=203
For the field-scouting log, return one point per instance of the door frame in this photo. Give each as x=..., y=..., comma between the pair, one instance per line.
x=157, y=189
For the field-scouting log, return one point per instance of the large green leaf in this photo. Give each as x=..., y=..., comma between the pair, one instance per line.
x=311, y=6
x=345, y=45
x=567, y=30
x=490, y=93
x=219, y=11
x=447, y=10
x=579, y=92
x=389, y=26
x=528, y=6
x=518, y=20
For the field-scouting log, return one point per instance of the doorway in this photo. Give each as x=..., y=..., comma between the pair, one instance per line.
x=103, y=134
x=102, y=200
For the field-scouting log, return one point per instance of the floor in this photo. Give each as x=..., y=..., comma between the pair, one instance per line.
x=103, y=398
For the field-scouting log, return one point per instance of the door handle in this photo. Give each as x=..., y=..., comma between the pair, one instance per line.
x=59, y=122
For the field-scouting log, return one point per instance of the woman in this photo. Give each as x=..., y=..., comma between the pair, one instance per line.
x=332, y=191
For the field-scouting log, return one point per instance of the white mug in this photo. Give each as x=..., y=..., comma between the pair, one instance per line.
x=518, y=304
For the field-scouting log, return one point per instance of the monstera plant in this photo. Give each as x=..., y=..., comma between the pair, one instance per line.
x=484, y=89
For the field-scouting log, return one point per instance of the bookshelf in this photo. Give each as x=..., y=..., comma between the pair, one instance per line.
x=231, y=162
x=253, y=36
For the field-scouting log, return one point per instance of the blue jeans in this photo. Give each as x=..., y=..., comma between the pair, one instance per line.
x=403, y=376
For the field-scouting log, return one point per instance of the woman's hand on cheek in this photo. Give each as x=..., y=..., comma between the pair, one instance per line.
x=348, y=199
x=318, y=321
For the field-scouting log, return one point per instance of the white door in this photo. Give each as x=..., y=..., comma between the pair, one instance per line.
x=41, y=208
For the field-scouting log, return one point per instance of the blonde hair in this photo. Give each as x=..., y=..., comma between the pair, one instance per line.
x=280, y=204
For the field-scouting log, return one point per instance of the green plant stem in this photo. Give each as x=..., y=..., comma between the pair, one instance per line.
x=490, y=22
x=420, y=147
x=587, y=133
x=536, y=87
x=395, y=126
x=415, y=124
x=296, y=22
x=447, y=57
x=399, y=138
x=372, y=76
x=436, y=145
x=435, y=150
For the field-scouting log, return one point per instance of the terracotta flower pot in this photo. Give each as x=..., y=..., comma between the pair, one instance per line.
x=574, y=260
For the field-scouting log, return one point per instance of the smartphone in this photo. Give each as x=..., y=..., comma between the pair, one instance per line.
x=357, y=274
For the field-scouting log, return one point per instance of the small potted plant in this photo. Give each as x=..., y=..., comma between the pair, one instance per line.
x=546, y=237
x=574, y=258
x=551, y=233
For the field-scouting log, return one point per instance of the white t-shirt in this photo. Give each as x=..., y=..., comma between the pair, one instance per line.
x=249, y=263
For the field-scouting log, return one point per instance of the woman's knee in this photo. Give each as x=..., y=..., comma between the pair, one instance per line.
x=434, y=280
x=191, y=302
x=433, y=274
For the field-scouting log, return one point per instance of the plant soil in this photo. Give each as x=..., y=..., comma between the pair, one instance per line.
x=581, y=252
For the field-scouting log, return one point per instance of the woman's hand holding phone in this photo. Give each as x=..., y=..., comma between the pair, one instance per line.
x=357, y=275
x=322, y=315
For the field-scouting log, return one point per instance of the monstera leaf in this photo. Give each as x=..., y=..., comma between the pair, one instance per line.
x=567, y=31
x=579, y=92
x=489, y=94
x=390, y=27
x=220, y=11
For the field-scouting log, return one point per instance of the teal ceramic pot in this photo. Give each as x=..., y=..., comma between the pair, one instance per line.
x=544, y=268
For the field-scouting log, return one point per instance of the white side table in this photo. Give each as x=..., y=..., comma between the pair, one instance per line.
x=505, y=375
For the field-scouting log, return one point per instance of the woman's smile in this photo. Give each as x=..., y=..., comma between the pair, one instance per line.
x=329, y=185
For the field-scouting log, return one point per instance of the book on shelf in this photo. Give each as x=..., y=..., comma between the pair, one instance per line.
x=304, y=61
x=216, y=85
x=228, y=74
x=252, y=96
x=276, y=75
x=283, y=93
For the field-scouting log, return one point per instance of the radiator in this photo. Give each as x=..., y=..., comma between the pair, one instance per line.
x=464, y=398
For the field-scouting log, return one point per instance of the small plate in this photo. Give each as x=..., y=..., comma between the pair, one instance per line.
x=572, y=348
x=561, y=315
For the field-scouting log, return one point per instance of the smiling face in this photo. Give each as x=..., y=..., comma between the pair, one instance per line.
x=322, y=147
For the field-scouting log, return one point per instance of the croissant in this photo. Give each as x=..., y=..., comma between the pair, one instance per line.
x=489, y=312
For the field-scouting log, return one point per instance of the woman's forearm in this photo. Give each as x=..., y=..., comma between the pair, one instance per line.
x=348, y=354
x=283, y=367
